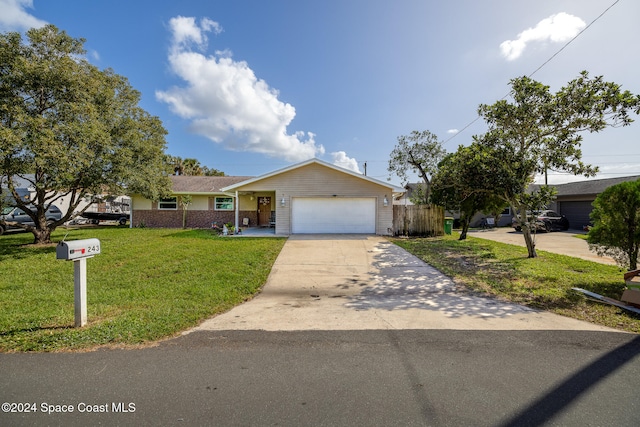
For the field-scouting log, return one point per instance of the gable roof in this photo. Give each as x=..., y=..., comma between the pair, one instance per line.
x=181, y=184
x=591, y=187
x=309, y=162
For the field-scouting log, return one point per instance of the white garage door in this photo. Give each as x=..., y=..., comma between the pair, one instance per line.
x=333, y=215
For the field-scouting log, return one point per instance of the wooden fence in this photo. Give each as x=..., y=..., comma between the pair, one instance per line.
x=418, y=220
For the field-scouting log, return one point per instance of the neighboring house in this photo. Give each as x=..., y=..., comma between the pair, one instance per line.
x=22, y=187
x=411, y=189
x=308, y=197
x=574, y=199
x=26, y=191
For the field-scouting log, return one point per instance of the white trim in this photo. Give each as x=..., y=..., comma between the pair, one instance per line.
x=168, y=209
x=393, y=188
x=237, y=207
x=215, y=203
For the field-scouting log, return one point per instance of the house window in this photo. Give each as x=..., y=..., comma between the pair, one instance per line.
x=224, y=203
x=170, y=203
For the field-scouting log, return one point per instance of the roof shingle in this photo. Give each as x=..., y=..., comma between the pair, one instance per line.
x=203, y=184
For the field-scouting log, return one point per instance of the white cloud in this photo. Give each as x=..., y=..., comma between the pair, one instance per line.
x=14, y=17
x=557, y=28
x=341, y=159
x=226, y=102
x=186, y=31
x=453, y=131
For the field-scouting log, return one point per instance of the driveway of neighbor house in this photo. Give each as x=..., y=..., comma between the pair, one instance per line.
x=354, y=282
x=560, y=242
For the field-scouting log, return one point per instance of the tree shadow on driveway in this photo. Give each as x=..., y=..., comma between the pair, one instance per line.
x=401, y=281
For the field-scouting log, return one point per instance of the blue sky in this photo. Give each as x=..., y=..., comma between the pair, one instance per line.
x=248, y=87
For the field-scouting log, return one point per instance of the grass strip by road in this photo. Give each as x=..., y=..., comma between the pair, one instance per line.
x=545, y=282
x=147, y=284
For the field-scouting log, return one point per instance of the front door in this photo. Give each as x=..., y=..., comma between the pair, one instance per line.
x=264, y=211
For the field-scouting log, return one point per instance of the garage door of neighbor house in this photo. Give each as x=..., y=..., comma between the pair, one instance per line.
x=576, y=212
x=333, y=215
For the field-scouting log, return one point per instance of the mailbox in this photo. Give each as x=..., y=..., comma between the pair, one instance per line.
x=77, y=249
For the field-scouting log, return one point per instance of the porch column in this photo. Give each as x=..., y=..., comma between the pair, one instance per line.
x=237, y=224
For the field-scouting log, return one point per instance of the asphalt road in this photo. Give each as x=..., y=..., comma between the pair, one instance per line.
x=336, y=378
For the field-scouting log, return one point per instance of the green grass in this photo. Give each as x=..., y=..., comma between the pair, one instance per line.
x=147, y=284
x=544, y=282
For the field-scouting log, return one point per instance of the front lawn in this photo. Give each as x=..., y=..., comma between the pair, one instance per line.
x=147, y=284
x=544, y=282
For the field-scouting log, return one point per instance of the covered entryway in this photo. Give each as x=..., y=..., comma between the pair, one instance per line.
x=333, y=215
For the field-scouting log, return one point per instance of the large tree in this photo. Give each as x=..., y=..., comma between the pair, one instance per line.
x=616, y=224
x=420, y=153
x=70, y=129
x=463, y=182
x=538, y=130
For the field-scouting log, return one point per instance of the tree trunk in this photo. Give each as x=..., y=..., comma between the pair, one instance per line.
x=42, y=236
x=464, y=222
x=633, y=258
x=531, y=244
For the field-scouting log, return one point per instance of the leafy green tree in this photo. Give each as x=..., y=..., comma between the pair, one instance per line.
x=174, y=164
x=420, y=153
x=616, y=224
x=189, y=167
x=464, y=183
x=539, y=130
x=211, y=171
x=70, y=129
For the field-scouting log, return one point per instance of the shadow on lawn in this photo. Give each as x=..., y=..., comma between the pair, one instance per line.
x=13, y=332
x=20, y=251
x=192, y=234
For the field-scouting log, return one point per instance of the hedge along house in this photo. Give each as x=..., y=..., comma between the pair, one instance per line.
x=315, y=197
x=209, y=203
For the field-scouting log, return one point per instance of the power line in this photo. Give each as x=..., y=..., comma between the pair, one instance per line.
x=540, y=67
x=577, y=35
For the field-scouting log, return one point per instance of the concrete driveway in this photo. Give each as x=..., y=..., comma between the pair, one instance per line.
x=559, y=242
x=358, y=282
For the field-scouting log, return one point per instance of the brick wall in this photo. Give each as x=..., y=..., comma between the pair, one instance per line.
x=195, y=218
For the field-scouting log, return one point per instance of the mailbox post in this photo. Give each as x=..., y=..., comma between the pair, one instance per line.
x=78, y=251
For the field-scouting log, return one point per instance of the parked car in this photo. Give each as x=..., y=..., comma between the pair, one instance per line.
x=545, y=221
x=18, y=215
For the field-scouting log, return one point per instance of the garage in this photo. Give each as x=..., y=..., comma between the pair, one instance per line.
x=331, y=215
x=576, y=212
